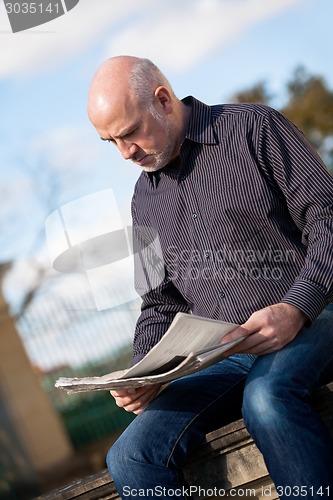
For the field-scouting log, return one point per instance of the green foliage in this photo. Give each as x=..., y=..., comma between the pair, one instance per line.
x=94, y=419
x=309, y=105
x=93, y=415
x=258, y=93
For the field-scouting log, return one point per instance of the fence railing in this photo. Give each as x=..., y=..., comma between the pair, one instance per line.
x=72, y=338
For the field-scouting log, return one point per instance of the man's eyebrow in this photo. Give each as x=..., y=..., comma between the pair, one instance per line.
x=127, y=130
x=122, y=133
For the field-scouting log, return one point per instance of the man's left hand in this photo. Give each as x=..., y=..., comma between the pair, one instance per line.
x=267, y=330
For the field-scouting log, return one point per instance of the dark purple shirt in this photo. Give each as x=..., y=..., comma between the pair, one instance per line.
x=244, y=219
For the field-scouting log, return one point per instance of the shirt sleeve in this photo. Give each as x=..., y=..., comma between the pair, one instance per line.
x=307, y=188
x=160, y=298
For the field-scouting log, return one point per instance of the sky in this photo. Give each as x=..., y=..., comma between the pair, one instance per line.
x=50, y=155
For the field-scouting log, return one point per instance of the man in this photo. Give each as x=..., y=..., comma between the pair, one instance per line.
x=243, y=208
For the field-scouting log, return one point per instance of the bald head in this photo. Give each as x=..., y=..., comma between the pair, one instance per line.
x=110, y=82
x=132, y=104
x=124, y=77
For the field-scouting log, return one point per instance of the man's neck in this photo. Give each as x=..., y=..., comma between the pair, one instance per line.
x=184, y=113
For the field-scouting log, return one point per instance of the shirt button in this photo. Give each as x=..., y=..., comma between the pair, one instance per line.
x=194, y=215
x=221, y=295
x=182, y=177
x=207, y=255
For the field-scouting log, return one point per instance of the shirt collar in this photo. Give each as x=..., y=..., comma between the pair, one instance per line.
x=200, y=127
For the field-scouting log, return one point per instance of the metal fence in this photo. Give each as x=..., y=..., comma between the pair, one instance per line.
x=65, y=335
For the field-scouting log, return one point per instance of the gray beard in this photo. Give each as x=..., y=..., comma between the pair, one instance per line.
x=161, y=160
x=164, y=157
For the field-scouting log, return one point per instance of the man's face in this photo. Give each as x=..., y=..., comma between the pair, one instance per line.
x=143, y=136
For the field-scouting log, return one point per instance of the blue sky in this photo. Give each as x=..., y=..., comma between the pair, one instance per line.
x=50, y=155
x=209, y=48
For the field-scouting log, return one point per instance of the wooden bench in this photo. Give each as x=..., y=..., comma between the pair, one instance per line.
x=228, y=461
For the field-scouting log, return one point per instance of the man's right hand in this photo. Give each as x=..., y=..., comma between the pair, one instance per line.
x=135, y=400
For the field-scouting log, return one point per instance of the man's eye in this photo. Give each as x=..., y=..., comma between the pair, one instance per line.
x=132, y=132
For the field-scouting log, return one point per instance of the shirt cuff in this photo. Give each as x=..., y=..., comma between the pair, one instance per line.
x=307, y=297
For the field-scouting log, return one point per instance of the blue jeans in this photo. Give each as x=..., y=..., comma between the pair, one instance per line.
x=273, y=392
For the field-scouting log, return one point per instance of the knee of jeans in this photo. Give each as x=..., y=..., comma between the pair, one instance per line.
x=264, y=404
x=116, y=460
x=129, y=449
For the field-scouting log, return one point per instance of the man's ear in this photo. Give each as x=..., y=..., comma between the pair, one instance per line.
x=163, y=99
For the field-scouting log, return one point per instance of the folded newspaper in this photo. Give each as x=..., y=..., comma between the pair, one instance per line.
x=191, y=343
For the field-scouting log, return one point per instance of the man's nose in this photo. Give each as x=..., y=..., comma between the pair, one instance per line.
x=127, y=150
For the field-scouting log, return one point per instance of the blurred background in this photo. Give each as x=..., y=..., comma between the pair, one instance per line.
x=61, y=187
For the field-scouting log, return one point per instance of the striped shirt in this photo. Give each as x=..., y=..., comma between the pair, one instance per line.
x=244, y=219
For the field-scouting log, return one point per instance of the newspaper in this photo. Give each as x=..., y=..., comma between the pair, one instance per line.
x=191, y=343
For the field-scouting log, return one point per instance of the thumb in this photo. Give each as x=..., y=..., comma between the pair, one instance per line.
x=239, y=332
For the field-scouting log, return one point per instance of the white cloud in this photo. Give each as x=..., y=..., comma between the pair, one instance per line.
x=68, y=148
x=180, y=34
x=175, y=33
x=16, y=187
x=38, y=49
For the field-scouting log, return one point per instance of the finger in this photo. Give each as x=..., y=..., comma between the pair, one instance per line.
x=129, y=394
x=132, y=390
x=119, y=393
x=124, y=397
x=123, y=401
x=141, y=403
x=258, y=320
x=252, y=341
x=234, y=335
x=256, y=343
x=134, y=400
